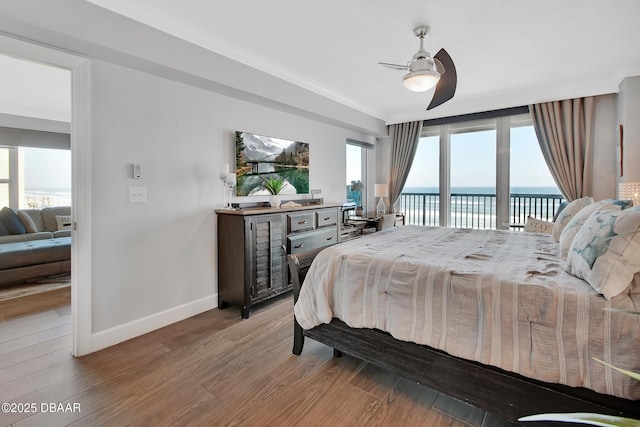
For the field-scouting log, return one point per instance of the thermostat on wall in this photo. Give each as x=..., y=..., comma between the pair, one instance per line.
x=137, y=171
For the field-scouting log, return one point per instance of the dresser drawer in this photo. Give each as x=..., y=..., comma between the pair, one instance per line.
x=327, y=217
x=312, y=240
x=301, y=221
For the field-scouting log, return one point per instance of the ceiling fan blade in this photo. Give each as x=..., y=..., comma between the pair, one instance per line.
x=394, y=66
x=446, y=87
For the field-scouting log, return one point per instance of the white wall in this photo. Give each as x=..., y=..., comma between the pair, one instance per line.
x=604, y=148
x=153, y=258
x=628, y=117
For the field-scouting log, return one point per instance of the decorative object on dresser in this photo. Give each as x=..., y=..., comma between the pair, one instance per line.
x=253, y=243
x=274, y=185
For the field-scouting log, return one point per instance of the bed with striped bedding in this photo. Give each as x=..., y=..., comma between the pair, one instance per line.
x=495, y=297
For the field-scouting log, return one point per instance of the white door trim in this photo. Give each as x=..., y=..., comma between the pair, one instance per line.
x=81, y=252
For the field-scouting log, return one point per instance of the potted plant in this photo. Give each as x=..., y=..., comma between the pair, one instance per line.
x=273, y=185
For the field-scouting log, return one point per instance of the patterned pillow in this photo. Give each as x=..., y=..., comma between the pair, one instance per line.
x=566, y=214
x=606, y=251
x=538, y=226
x=624, y=204
x=574, y=224
x=63, y=222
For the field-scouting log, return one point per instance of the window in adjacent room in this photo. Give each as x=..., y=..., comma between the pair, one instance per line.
x=356, y=184
x=5, y=177
x=46, y=177
x=34, y=177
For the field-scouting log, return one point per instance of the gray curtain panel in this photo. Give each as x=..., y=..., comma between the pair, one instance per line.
x=404, y=142
x=565, y=132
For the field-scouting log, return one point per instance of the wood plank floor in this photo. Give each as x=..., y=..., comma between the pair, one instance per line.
x=213, y=369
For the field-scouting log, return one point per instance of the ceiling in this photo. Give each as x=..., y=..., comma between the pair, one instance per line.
x=507, y=52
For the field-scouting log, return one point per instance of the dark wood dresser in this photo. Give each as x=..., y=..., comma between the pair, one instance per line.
x=253, y=244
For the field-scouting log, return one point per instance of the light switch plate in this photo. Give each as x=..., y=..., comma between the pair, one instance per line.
x=137, y=194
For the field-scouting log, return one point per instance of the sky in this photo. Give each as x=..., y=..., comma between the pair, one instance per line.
x=473, y=161
x=47, y=168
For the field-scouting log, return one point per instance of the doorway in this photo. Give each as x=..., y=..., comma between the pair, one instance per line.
x=80, y=142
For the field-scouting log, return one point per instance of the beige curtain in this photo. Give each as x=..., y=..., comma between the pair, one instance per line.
x=404, y=142
x=565, y=133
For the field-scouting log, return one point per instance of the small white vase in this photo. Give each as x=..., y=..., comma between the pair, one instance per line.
x=274, y=201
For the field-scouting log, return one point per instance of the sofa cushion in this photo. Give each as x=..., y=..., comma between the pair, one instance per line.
x=3, y=230
x=12, y=238
x=49, y=216
x=35, y=215
x=62, y=233
x=34, y=252
x=27, y=221
x=10, y=220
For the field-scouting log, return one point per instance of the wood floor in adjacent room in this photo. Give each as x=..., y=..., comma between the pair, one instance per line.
x=212, y=369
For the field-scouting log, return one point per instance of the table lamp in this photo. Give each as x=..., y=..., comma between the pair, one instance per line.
x=381, y=191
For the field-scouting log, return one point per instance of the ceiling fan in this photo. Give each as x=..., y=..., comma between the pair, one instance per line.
x=426, y=72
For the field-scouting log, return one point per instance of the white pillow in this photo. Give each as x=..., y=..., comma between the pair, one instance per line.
x=63, y=222
x=606, y=251
x=565, y=215
x=534, y=225
x=574, y=224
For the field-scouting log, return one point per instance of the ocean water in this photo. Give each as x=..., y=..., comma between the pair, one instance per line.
x=39, y=197
x=475, y=207
x=485, y=190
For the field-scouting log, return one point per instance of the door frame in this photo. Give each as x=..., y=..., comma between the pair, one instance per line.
x=81, y=247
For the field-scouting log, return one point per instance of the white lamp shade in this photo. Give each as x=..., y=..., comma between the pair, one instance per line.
x=629, y=191
x=231, y=178
x=421, y=81
x=382, y=190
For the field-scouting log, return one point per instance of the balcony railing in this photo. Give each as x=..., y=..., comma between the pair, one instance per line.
x=477, y=210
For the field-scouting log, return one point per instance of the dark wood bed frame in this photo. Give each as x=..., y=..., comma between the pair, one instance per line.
x=506, y=394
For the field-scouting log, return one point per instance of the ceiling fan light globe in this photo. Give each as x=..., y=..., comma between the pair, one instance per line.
x=421, y=81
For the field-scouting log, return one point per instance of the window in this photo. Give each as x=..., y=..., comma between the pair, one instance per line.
x=357, y=173
x=34, y=177
x=473, y=179
x=532, y=189
x=491, y=175
x=47, y=177
x=422, y=188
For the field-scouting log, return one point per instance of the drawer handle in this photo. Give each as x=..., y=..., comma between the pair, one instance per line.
x=298, y=246
x=329, y=238
x=327, y=218
x=302, y=222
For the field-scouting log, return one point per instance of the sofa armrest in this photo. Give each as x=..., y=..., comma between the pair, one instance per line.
x=62, y=233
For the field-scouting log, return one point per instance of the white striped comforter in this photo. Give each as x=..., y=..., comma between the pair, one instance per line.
x=496, y=297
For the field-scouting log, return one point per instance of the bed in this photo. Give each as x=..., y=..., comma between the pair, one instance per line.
x=487, y=316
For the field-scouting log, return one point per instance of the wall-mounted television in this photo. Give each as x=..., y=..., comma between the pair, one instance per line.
x=259, y=157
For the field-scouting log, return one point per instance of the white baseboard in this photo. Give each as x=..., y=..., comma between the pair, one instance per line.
x=120, y=333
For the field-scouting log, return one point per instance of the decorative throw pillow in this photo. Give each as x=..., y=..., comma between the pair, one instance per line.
x=624, y=204
x=63, y=222
x=11, y=221
x=534, y=225
x=605, y=251
x=567, y=213
x=3, y=229
x=27, y=221
x=578, y=220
